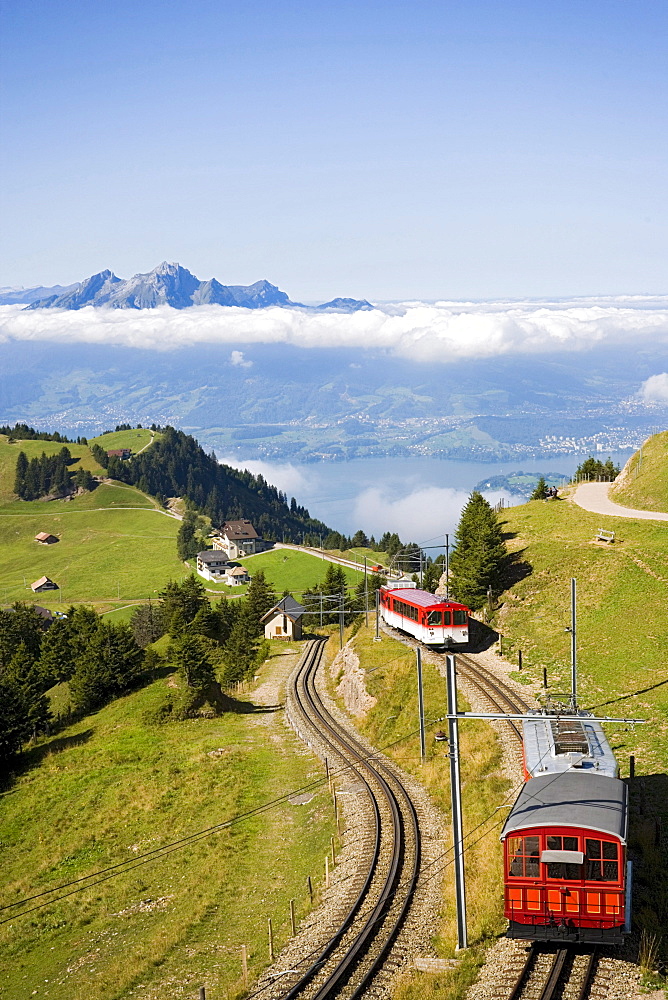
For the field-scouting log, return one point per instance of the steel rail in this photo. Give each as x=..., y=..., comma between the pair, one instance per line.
x=556, y=973
x=343, y=744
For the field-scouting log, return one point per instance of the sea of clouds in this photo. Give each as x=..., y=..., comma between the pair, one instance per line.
x=418, y=331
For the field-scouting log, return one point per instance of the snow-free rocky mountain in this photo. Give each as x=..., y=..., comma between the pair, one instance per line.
x=166, y=285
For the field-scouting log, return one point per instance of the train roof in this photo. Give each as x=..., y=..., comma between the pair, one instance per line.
x=574, y=799
x=421, y=597
x=554, y=744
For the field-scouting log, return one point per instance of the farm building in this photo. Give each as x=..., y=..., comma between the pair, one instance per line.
x=284, y=621
x=43, y=584
x=44, y=538
x=122, y=453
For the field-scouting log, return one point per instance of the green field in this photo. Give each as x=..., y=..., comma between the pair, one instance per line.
x=287, y=569
x=135, y=439
x=108, y=551
x=112, y=788
x=622, y=616
x=33, y=449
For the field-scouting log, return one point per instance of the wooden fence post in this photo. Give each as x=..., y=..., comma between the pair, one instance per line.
x=292, y=917
x=244, y=964
x=271, y=940
x=310, y=888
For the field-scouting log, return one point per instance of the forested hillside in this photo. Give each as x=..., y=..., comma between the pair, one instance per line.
x=176, y=465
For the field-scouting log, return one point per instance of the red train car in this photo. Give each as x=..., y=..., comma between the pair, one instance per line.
x=566, y=877
x=431, y=619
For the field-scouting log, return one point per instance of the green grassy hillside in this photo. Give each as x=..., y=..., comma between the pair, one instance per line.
x=287, y=569
x=135, y=439
x=111, y=788
x=33, y=449
x=645, y=481
x=108, y=550
x=622, y=616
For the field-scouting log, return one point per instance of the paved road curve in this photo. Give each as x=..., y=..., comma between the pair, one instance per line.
x=594, y=497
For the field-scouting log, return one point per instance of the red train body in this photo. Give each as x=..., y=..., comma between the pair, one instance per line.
x=428, y=618
x=566, y=877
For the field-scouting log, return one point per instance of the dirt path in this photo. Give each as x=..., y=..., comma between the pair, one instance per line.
x=594, y=498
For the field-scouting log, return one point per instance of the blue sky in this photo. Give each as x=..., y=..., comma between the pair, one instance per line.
x=378, y=149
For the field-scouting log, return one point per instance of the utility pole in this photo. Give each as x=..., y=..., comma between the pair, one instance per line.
x=456, y=797
x=366, y=596
x=377, y=635
x=447, y=567
x=573, y=631
x=341, y=621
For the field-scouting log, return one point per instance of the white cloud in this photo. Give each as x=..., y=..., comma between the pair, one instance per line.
x=237, y=358
x=655, y=389
x=282, y=475
x=428, y=332
x=424, y=514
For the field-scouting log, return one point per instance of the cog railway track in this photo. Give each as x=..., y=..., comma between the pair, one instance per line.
x=346, y=965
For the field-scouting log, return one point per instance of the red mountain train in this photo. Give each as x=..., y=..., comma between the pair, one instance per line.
x=432, y=620
x=566, y=874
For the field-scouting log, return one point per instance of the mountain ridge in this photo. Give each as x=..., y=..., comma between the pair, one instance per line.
x=167, y=284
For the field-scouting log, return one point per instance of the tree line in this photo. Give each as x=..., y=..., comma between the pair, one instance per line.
x=49, y=475
x=593, y=468
x=176, y=465
x=210, y=647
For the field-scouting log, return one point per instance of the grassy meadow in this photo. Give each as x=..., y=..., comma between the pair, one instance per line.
x=136, y=439
x=645, y=485
x=115, y=545
x=288, y=569
x=622, y=616
x=113, y=787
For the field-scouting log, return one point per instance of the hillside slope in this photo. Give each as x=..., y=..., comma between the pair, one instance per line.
x=643, y=482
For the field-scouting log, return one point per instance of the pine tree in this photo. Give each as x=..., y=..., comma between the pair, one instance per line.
x=14, y=721
x=261, y=597
x=190, y=655
x=540, y=492
x=21, y=470
x=27, y=678
x=56, y=659
x=148, y=623
x=480, y=553
x=240, y=651
x=187, y=597
x=187, y=545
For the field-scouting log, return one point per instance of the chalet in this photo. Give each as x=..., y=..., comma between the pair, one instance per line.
x=213, y=565
x=237, y=576
x=239, y=539
x=44, y=538
x=122, y=453
x=48, y=617
x=284, y=621
x=43, y=584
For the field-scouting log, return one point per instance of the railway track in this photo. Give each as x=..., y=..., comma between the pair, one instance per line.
x=347, y=964
x=555, y=973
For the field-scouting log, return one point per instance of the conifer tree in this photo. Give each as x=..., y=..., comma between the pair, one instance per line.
x=21, y=470
x=540, y=492
x=261, y=597
x=479, y=556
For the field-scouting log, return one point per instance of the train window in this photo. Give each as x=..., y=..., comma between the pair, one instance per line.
x=523, y=857
x=446, y=618
x=601, y=859
x=562, y=843
x=459, y=616
x=435, y=618
x=564, y=869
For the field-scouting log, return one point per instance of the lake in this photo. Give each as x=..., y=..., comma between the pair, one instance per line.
x=420, y=498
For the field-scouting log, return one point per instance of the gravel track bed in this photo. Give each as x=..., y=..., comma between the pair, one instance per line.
x=352, y=863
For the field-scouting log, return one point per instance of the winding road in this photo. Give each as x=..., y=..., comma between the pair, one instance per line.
x=594, y=498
